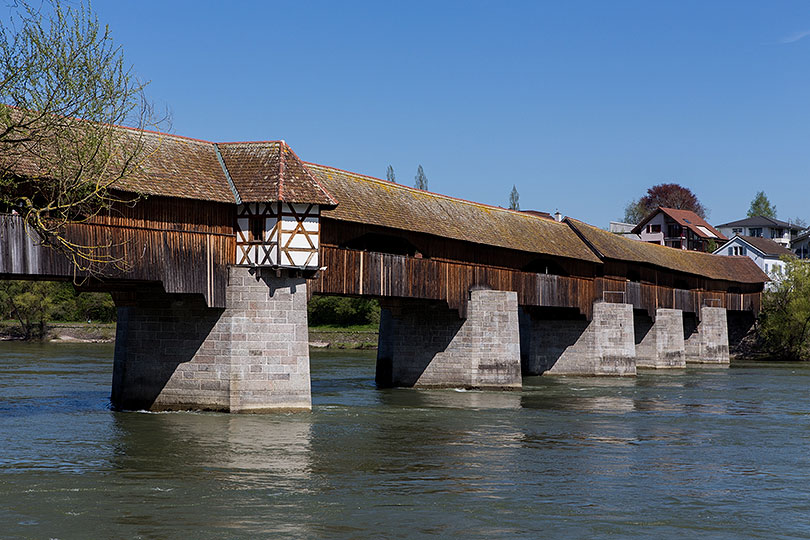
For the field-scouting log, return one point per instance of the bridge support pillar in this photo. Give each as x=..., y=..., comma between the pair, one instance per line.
x=174, y=353
x=660, y=343
x=427, y=345
x=573, y=346
x=706, y=341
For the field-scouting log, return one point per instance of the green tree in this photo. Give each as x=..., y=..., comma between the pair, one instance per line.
x=421, y=179
x=761, y=206
x=785, y=317
x=93, y=306
x=63, y=86
x=389, y=174
x=634, y=212
x=30, y=303
x=514, y=199
x=342, y=311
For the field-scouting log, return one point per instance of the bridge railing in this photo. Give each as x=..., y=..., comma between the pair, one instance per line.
x=362, y=273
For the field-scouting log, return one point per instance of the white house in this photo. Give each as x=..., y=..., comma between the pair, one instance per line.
x=764, y=252
x=779, y=231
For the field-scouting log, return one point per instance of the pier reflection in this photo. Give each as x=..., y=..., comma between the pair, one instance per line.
x=263, y=457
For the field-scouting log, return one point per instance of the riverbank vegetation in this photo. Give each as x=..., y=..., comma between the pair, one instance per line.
x=784, y=323
x=33, y=304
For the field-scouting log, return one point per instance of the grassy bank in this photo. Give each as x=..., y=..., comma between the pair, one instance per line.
x=68, y=332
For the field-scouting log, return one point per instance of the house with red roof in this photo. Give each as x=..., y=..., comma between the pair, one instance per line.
x=680, y=229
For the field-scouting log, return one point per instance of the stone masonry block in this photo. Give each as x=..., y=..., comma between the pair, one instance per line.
x=172, y=352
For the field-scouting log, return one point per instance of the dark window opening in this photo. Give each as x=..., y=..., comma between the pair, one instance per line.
x=634, y=275
x=257, y=229
x=383, y=243
x=545, y=266
x=681, y=284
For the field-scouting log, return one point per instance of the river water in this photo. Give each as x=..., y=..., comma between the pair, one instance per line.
x=700, y=453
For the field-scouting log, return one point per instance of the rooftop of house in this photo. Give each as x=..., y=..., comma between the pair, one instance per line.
x=760, y=221
x=766, y=246
x=685, y=218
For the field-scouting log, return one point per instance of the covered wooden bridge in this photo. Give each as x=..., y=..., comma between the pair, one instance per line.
x=228, y=240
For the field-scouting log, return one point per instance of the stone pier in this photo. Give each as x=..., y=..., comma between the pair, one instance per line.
x=558, y=342
x=706, y=341
x=425, y=344
x=172, y=352
x=660, y=343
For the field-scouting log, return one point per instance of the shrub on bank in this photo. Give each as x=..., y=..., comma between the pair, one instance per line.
x=32, y=304
x=341, y=311
x=784, y=323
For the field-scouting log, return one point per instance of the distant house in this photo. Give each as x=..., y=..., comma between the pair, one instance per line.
x=779, y=231
x=763, y=251
x=680, y=229
x=801, y=245
x=623, y=229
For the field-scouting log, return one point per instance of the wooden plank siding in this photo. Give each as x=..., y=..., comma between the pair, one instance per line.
x=185, y=245
x=362, y=273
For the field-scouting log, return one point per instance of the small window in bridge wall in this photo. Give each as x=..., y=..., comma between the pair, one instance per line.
x=280, y=235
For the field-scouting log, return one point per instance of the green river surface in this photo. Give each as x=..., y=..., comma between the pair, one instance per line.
x=695, y=453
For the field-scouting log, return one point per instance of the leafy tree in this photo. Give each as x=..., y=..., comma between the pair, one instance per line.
x=666, y=195
x=514, y=199
x=761, y=206
x=342, y=311
x=33, y=304
x=634, y=212
x=30, y=303
x=785, y=317
x=669, y=196
x=63, y=86
x=421, y=179
x=92, y=306
x=389, y=174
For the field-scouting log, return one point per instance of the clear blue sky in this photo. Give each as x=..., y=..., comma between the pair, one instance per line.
x=581, y=105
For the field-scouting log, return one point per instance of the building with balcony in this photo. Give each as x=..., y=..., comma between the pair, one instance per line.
x=781, y=232
x=679, y=229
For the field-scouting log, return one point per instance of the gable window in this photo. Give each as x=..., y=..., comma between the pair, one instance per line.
x=256, y=228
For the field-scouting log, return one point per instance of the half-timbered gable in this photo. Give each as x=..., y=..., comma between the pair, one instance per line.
x=278, y=215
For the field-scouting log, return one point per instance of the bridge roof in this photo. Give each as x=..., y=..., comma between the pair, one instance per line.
x=613, y=246
x=270, y=171
x=368, y=200
x=174, y=166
